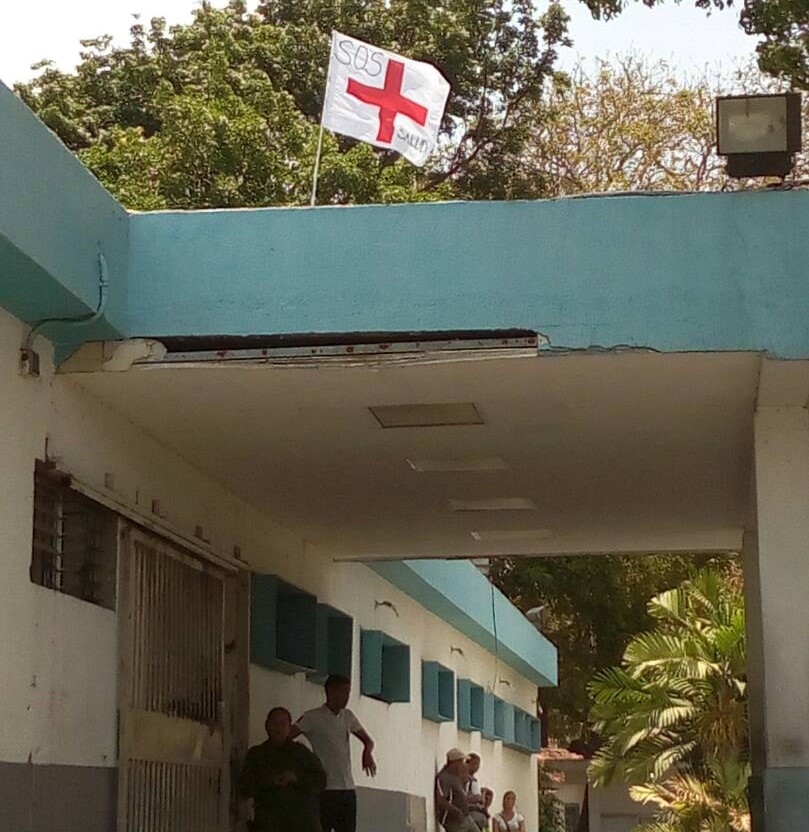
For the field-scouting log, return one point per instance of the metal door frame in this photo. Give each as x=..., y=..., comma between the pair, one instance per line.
x=231, y=712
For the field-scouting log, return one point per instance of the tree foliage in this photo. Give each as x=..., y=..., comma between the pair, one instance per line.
x=223, y=112
x=629, y=124
x=633, y=124
x=673, y=715
x=551, y=812
x=784, y=27
x=593, y=606
x=781, y=25
x=715, y=801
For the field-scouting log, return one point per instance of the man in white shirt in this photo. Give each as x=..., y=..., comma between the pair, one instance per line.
x=474, y=794
x=329, y=729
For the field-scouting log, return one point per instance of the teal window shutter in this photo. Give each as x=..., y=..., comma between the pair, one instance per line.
x=263, y=618
x=296, y=627
x=521, y=729
x=335, y=643
x=283, y=625
x=395, y=672
x=476, y=695
x=488, y=716
x=384, y=667
x=536, y=734
x=470, y=705
x=499, y=718
x=446, y=693
x=437, y=692
x=371, y=663
x=508, y=724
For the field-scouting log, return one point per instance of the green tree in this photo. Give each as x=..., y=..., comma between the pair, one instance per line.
x=673, y=716
x=634, y=124
x=551, y=812
x=593, y=606
x=715, y=801
x=223, y=112
x=781, y=25
x=784, y=26
x=629, y=124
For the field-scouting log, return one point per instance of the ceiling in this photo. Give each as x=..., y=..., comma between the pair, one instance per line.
x=615, y=452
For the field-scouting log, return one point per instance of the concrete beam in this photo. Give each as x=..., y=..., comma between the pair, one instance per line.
x=776, y=575
x=457, y=592
x=55, y=220
x=672, y=273
x=595, y=541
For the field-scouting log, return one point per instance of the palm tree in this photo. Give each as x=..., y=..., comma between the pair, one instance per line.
x=673, y=717
x=716, y=801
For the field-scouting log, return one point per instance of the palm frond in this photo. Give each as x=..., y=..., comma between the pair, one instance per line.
x=673, y=715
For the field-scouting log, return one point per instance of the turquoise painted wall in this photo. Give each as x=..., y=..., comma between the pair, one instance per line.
x=457, y=592
x=685, y=272
x=54, y=219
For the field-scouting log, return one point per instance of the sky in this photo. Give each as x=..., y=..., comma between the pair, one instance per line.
x=680, y=34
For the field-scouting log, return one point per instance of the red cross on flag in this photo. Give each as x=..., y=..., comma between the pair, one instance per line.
x=382, y=98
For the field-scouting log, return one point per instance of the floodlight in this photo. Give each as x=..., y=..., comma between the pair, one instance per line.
x=759, y=134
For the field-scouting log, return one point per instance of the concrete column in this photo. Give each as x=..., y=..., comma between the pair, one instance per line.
x=594, y=801
x=776, y=563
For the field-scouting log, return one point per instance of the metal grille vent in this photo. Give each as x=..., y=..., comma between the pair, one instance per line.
x=177, y=635
x=74, y=542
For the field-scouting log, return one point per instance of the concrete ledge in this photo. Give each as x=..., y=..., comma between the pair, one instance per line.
x=704, y=272
x=381, y=809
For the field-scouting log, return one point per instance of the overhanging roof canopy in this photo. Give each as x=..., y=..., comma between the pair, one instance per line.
x=641, y=443
x=584, y=452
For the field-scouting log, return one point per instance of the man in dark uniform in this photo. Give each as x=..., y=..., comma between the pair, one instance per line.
x=284, y=779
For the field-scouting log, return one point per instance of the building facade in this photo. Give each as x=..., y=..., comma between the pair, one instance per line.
x=62, y=660
x=331, y=399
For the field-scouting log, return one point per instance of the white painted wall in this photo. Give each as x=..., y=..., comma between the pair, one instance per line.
x=409, y=749
x=57, y=654
x=613, y=810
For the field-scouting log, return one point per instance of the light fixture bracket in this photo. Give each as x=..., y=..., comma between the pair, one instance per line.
x=745, y=165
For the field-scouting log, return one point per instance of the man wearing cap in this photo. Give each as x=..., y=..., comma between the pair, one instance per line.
x=450, y=798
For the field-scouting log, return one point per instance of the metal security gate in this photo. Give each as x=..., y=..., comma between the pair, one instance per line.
x=173, y=748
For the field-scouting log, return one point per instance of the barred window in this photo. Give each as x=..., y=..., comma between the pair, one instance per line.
x=74, y=545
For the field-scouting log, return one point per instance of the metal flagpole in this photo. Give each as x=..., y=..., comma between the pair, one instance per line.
x=316, y=173
x=317, y=161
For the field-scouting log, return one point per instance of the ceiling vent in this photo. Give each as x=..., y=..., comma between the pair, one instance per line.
x=481, y=463
x=494, y=504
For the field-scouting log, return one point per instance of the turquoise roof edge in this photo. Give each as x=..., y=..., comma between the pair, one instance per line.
x=55, y=220
x=457, y=592
x=686, y=272
x=667, y=272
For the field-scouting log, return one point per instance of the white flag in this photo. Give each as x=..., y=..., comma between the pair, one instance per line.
x=382, y=98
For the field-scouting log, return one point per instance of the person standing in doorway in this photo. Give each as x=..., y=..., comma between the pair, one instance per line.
x=284, y=779
x=329, y=729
